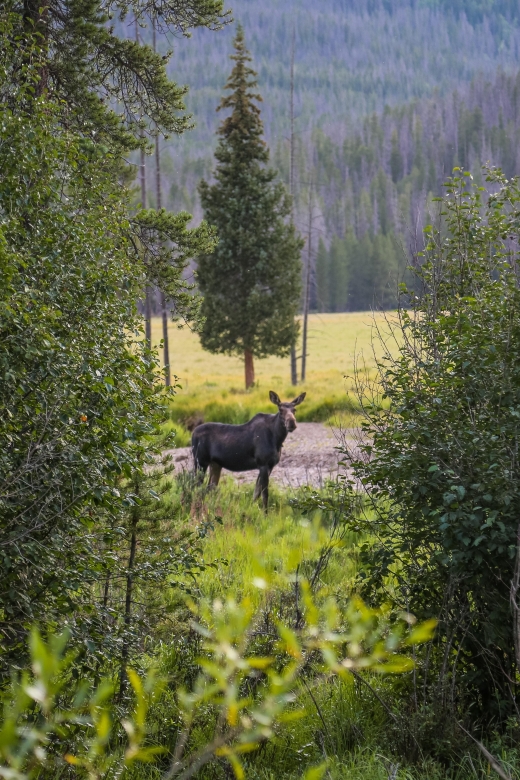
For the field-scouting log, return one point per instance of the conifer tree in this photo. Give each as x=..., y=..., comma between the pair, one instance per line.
x=251, y=284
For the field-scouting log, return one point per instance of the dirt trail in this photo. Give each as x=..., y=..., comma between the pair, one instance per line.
x=309, y=457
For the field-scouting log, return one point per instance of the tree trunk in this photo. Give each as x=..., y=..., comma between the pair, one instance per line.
x=142, y=177
x=307, y=290
x=164, y=310
x=128, y=599
x=294, y=364
x=515, y=606
x=250, y=369
x=166, y=342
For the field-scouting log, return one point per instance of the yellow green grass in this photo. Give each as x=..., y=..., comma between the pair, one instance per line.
x=212, y=386
x=290, y=541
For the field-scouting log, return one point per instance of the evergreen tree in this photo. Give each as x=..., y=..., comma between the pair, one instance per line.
x=251, y=285
x=107, y=84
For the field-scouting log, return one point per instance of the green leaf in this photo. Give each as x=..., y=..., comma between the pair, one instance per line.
x=315, y=772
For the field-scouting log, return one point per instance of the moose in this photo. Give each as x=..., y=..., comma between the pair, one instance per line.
x=256, y=444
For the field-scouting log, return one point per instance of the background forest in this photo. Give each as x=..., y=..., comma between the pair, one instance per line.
x=388, y=98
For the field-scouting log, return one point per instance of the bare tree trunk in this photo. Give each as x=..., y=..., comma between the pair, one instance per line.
x=164, y=310
x=307, y=288
x=142, y=176
x=515, y=606
x=294, y=366
x=128, y=599
x=250, y=369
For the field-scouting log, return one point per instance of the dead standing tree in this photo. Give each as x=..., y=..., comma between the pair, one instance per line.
x=294, y=364
x=307, y=285
x=142, y=177
x=164, y=310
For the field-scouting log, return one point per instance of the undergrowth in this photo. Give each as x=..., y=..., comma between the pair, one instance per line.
x=359, y=727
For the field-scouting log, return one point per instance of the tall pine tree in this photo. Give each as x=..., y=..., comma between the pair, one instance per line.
x=252, y=283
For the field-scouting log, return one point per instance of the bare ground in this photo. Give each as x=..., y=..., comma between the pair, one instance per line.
x=310, y=456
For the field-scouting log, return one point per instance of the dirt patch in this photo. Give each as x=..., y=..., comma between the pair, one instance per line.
x=309, y=457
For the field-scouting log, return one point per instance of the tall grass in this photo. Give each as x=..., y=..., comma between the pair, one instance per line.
x=356, y=727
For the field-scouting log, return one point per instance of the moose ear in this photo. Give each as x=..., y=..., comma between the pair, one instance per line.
x=274, y=398
x=298, y=400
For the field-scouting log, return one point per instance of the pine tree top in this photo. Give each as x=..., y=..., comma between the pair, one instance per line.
x=242, y=131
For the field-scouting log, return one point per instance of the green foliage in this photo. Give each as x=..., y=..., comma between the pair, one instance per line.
x=165, y=245
x=245, y=695
x=79, y=391
x=251, y=285
x=359, y=638
x=45, y=712
x=90, y=69
x=359, y=274
x=440, y=453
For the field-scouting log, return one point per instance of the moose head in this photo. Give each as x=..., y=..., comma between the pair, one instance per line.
x=286, y=409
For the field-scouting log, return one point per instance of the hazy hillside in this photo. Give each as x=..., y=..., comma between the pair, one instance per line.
x=389, y=96
x=352, y=56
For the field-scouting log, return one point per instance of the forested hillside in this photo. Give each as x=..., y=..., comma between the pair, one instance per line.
x=376, y=187
x=373, y=188
x=389, y=96
x=352, y=57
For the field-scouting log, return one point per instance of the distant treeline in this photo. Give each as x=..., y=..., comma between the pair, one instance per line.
x=375, y=157
x=375, y=188
x=352, y=57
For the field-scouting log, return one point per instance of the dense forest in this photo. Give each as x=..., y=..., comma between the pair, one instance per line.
x=389, y=97
x=376, y=187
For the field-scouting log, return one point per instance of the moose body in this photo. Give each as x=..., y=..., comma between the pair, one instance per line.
x=256, y=444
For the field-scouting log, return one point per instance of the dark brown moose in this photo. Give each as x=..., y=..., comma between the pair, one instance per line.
x=256, y=444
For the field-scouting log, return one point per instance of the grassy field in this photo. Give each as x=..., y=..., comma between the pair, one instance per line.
x=212, y=386
x=359, y=729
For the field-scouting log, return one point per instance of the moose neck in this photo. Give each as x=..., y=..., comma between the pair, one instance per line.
x=280, y=431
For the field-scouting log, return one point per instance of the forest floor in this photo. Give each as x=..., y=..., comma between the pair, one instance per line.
x=310, y=456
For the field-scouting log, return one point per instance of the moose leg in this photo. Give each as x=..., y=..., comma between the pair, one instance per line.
x=199, y=472
x=258, y=488
x=199, y=468
x=263, y=481
x=214, y=474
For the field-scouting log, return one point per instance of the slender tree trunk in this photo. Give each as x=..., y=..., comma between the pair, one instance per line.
x=307, y=291
x=142, y=176
x=250, y=369
x=294, y=365
x=128, y=599
x=164, y=310
x=515, y=606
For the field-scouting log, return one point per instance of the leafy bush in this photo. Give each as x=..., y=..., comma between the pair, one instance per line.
x=240, y=698
x=440, y=459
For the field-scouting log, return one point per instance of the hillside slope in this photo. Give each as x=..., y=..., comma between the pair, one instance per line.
x=352, y=57
x=389, y=96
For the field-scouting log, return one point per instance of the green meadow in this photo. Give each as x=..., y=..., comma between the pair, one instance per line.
x=211, y=387
x=355, y=727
